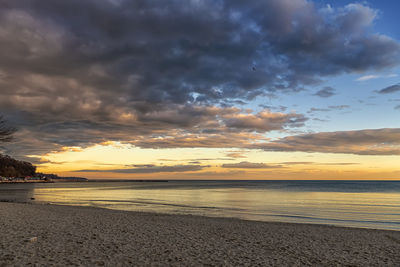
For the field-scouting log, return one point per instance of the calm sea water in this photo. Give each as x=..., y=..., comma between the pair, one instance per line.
x=368, y=204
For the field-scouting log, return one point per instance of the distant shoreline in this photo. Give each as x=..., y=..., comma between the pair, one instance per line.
x=127, y=180
x=80, y=181
x=25, y=182
x=53, y=179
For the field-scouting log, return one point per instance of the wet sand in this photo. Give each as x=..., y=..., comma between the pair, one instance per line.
x=49, y=235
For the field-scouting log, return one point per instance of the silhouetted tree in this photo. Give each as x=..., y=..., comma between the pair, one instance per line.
x=6, y=132
x=10, y=167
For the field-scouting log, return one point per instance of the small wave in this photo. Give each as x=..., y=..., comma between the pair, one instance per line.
x=312, y=218
x=166, y=204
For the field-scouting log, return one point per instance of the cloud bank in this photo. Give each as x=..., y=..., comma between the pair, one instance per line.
x=166, y=74
x=250, y=165
x=362, y=142
x=390, y=89
x=326, y=92
x=152, y=169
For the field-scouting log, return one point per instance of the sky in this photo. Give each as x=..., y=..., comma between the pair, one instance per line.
x=203, y=89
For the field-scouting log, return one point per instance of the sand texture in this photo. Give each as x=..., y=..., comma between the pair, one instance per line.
x=48, y=235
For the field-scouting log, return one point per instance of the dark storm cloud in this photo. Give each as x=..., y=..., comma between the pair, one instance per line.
x=152, y=169
x=390, y=89
x=75, y=73
x=326, y=92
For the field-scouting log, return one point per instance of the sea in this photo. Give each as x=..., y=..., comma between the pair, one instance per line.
x=362, y=204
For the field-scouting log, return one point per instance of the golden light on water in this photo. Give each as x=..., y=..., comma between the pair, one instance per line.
x=314, y=202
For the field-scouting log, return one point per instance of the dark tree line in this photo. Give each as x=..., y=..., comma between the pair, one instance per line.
x=10, y=167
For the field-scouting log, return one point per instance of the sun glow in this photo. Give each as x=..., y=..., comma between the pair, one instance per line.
x=118, y=160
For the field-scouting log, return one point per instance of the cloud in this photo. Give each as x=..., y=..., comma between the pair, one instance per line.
x=216, y=175
x=367, y=77
x=330, y=108
x=370, y=77
x=339, y=107
x=296, y=163
x=397, y=107
x=390, y=89
x=154, y=74
x=157, y=127
x=317, y=163
x=320, y=120
x=362, y=142
x=218, y=140
x=313, y=110
x=274, y=108
x=249, y=165
x=264, y=121
x=236, y=154
x=211, y=159
x=326, y=92
x=152, y=169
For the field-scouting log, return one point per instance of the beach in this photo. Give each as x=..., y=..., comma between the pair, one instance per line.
x=46, y=235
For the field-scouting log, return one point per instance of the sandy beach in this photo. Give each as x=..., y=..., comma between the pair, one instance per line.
x=49, y=235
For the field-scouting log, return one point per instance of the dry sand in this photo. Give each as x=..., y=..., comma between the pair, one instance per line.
x=48, y=235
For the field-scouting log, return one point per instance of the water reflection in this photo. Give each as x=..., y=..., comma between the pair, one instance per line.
x=345, y=204
x=18, y=192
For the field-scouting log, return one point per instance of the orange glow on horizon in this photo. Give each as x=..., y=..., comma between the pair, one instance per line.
x=210, y=164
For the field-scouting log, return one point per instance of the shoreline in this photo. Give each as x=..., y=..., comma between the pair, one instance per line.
x=193, y=215
x=44, y=234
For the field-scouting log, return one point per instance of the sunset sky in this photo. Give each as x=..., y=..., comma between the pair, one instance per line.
x=198, y=89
